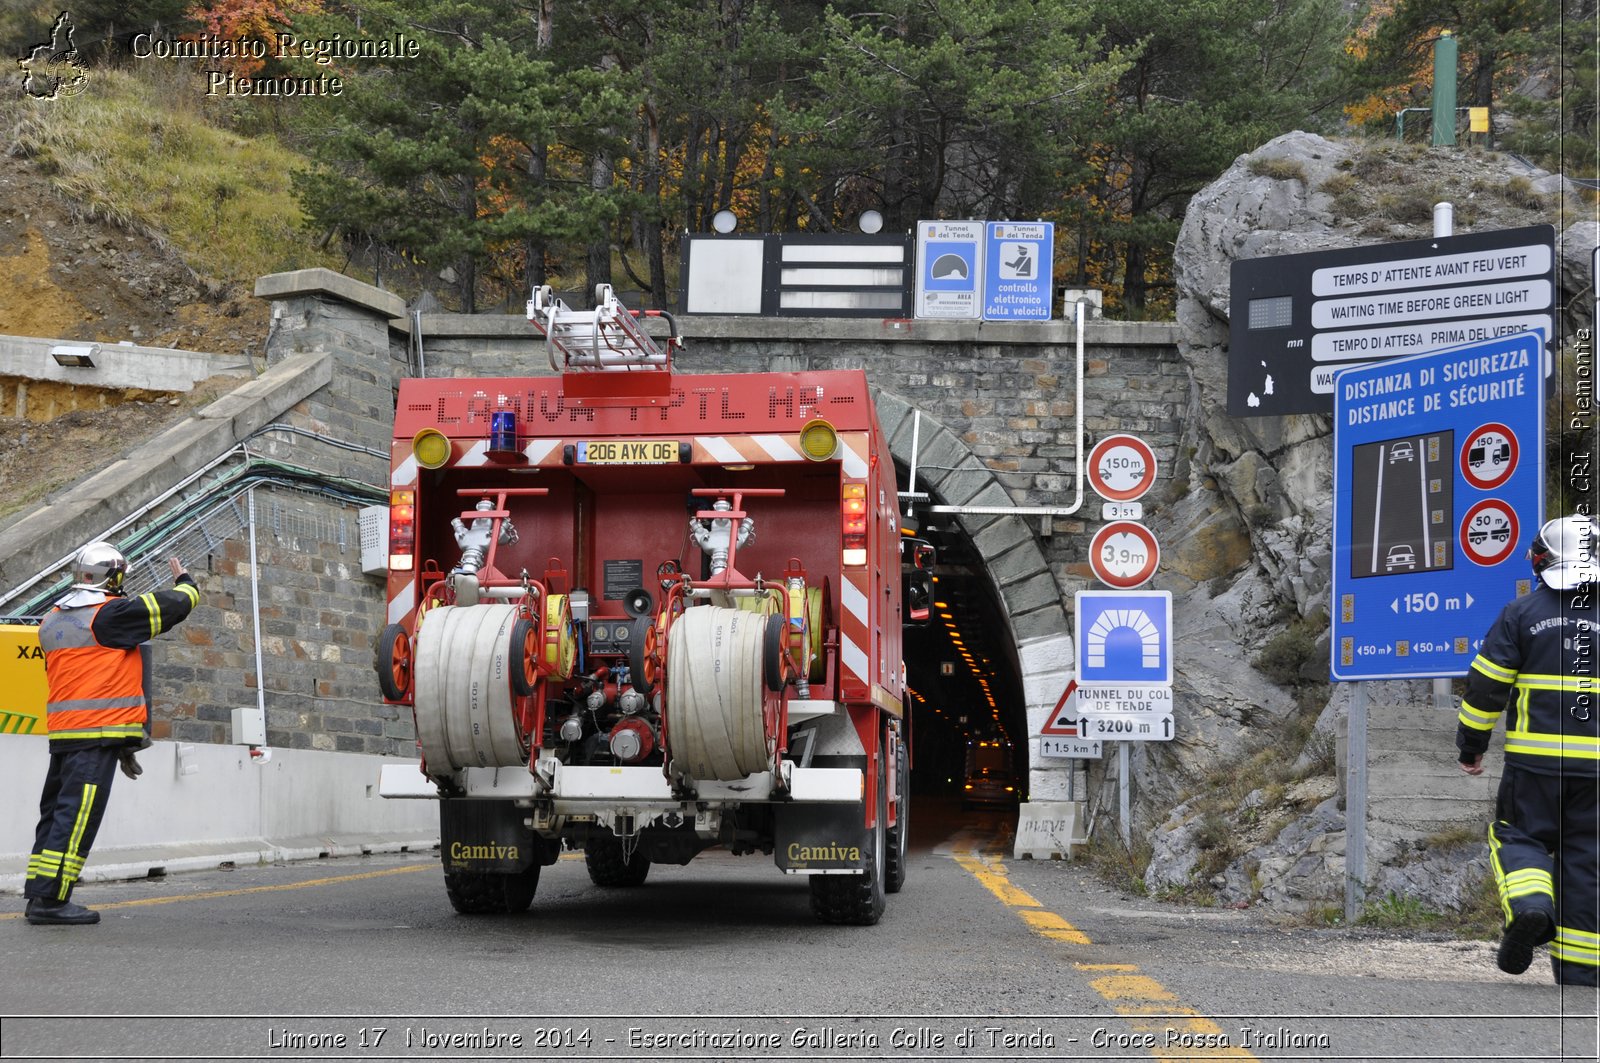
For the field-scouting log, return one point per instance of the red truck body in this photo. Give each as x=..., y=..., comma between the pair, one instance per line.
x=647, y=613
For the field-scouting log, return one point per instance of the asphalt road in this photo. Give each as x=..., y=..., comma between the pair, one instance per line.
x=980, y=956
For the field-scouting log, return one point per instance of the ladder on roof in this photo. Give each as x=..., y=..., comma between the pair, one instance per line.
x=609, y=337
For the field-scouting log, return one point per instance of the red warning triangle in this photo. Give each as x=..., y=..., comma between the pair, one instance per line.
x=1063, y=721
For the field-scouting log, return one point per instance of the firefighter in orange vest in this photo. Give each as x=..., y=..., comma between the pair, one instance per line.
x=96, y=712
x=1538, y=667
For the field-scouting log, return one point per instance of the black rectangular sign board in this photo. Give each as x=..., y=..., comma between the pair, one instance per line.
x=1295, y=320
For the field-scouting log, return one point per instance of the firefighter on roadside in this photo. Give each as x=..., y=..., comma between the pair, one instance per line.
x=96, y=713
x=1539, y=662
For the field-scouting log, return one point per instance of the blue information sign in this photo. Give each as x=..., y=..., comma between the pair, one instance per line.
x=1438, y=473
x=949, y=269
x=1124, y=637
x=1019, y=261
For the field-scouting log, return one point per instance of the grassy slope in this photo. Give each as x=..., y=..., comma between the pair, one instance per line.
x=138, y=148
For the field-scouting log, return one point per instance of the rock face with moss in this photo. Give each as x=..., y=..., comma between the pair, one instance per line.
x=1250, y=783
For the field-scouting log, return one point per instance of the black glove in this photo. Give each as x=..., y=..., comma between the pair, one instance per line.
x=129, y=764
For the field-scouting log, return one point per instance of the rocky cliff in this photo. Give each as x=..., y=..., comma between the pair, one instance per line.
x=1255, y=816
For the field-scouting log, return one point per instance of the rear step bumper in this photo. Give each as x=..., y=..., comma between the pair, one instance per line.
x=576, y=786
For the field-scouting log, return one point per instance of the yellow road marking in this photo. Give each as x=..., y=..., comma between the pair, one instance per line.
x=331, y=880
x=1052, y=926
x=1149, y=1006
x=995, y=882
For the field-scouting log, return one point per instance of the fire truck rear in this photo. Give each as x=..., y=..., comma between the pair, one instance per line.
x=643, y=614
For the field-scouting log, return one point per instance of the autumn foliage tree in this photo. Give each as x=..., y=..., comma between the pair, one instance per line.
x=248, y=20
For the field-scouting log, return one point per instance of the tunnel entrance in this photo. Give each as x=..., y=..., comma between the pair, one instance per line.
x=966, y=691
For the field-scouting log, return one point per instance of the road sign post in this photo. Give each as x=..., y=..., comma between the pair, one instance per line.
x=1438, y=484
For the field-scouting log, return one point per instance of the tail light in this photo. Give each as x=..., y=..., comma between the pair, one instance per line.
x=853, y=522
x=402, y=530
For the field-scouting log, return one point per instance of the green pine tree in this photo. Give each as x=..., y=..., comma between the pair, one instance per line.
x=430, y=156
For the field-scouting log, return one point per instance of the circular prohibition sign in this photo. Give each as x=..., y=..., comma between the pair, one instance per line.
x=1122, y=468
x=1488, y=533
x=1489, y=456
x=1124, y=554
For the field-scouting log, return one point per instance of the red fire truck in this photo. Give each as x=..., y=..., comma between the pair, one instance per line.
x=645, y=613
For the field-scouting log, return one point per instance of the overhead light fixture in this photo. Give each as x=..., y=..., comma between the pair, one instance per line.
x=724, y=221
x=81, y=357
x=870, y=222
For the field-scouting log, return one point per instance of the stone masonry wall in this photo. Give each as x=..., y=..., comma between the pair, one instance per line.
x=1005, y=391
x=319, y=614
x=1000, y=395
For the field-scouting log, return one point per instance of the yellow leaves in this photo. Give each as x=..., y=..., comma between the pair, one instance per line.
x=257, y=22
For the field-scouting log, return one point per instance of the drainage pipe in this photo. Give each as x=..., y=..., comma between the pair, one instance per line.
x=1042, y=511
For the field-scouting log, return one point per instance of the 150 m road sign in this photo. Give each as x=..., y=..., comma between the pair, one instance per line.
x=1437, y=488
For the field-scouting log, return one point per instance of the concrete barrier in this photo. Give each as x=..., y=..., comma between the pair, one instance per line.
x=200, y=806
x=115, y=366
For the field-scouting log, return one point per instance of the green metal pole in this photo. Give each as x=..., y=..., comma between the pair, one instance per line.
x=1444, y=90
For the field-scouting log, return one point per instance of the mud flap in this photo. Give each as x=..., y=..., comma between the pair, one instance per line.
x=821, y=838
x=489, y=836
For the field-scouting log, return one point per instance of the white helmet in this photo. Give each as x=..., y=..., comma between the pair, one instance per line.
x=1563, y=553
x=99, y=567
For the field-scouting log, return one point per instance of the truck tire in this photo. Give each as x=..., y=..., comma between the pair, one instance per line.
x=489, y=893
x=857, y=900
x=895, y=852
x=603, y=856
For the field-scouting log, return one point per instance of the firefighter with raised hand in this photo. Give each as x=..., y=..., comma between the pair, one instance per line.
x=1539, y=661
x=96, y=714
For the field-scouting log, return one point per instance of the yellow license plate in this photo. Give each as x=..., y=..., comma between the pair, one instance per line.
x=627, y=451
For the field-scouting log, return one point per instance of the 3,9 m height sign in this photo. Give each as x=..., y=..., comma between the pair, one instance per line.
x=1438, y=473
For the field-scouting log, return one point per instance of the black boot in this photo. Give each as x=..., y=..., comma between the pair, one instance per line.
x=1527, y=929
x=42, y=912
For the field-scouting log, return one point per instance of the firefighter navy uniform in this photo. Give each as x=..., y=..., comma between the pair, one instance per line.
x=1537, y=669
x=96, y=713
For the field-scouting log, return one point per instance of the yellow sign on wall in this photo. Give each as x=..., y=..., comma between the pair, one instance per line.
x=22, y=684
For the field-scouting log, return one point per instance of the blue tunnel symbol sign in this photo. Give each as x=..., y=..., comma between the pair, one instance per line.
x=1127, y=635
x=1124, y=638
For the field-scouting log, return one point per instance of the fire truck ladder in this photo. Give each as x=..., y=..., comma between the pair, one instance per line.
x=609, y=337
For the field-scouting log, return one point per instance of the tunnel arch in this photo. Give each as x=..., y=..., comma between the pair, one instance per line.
x=1039, y=646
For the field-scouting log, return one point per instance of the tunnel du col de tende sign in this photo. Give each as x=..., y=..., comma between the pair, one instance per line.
x=1296, y=320
x=1438, y=474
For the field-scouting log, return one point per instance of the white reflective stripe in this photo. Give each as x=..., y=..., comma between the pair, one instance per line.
x=853, y=656
x=720, y=449
x=405, y=474
x=403, y=602
x=476, y=454
x=1552, y=746
x=125, y=701
x=778, y=448
x=852, y=599
x=855, y=466
x=539, y=449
